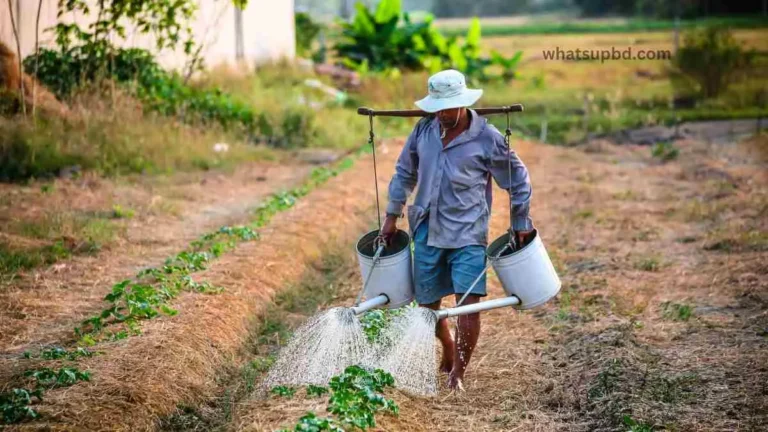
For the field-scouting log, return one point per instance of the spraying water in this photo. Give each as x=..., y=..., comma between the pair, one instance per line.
x=408, y=351
x=320, y=349
x=333, y=340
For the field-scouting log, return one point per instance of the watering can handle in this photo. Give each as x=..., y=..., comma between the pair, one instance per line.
x=376, y=256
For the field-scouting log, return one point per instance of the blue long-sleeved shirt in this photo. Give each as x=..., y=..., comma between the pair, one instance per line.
x=453, y=184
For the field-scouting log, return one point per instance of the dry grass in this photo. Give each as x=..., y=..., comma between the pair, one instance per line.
x=608, y=352
x=604, y=354
x=176, y=359
x=42, y=306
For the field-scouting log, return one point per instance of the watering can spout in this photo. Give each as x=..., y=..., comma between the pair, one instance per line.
x=477, y=307
x=379, y=300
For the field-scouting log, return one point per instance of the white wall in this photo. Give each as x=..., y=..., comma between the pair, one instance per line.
x=268, y=30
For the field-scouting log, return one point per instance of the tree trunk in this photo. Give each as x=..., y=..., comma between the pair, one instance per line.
x=37, y=59
x=18, y=55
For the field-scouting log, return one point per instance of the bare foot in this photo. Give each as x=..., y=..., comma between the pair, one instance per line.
x=446, y=365
x=455, y=382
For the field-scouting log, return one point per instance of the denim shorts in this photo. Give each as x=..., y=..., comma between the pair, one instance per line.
x=441, y=272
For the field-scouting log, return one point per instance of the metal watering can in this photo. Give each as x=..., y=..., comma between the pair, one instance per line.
x=386, y=270
x=527, y=275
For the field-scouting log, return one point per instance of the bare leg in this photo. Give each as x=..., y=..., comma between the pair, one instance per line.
x=444, y=335
x=467, y=333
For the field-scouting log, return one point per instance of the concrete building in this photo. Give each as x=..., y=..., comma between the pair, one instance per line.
x=263, y=32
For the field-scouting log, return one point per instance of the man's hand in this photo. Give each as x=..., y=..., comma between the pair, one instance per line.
x=523, y=237
x=389, y=229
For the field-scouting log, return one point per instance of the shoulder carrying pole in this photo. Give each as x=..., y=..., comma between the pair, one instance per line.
x=419, y=113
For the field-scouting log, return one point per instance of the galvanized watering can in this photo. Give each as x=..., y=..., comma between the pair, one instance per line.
x=386, y=270
x=527, y=276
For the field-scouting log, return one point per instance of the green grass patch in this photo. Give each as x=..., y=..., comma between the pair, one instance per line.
x=584, y=214
x=13, y=260
x=85, y=232
x=750, y=240
x=676, y=311
x=650, y=263
x=588, y=27
x=113, y=142
x=664, y=151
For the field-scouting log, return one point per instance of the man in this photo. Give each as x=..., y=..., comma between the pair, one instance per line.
x=450, y=158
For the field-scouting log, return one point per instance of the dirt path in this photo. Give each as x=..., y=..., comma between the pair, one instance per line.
x=44, y=305
x=662, y=322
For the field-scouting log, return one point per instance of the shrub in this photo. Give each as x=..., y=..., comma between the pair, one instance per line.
x=709, y=61
x=385, y=40
x=64, y=71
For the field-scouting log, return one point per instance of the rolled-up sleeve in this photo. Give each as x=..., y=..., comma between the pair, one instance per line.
x=518, y=184
x=406, y=175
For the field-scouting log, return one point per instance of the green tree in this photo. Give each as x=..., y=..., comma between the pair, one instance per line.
x=709, y=61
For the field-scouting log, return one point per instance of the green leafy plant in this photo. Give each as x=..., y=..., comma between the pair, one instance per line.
x=375, y=321
x=64, y=377
x=14, y=405
x=635, y=426
x=312, y=423
x=58, y=353
x=283, y=391
x=386, y=39
x=356, y=397
x=316, y=391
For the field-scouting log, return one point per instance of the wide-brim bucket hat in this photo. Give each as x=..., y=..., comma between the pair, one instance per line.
x=448, y=89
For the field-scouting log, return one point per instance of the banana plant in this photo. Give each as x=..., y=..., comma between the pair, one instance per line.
x=386, y=39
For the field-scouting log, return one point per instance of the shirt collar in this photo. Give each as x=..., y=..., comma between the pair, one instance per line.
x=476, y=126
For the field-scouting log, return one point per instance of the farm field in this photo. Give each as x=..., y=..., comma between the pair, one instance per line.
x=661, y=324
x=663, y=306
